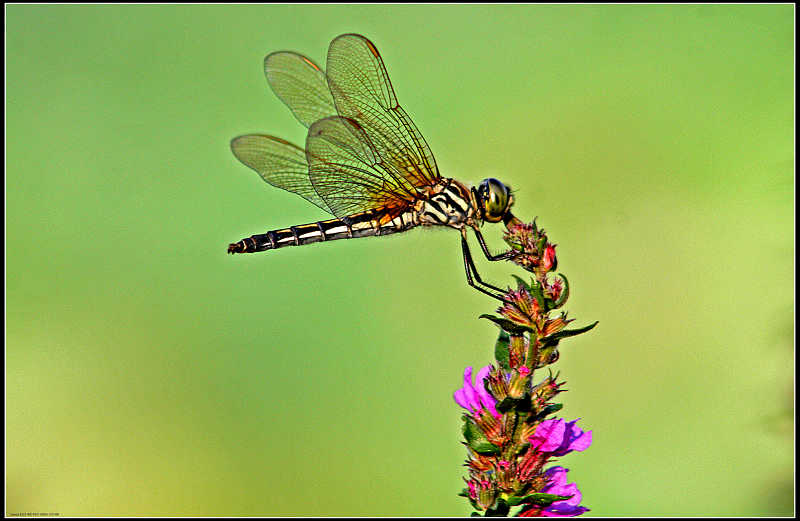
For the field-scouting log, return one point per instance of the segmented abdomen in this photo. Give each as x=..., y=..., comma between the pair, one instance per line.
x=365, y=224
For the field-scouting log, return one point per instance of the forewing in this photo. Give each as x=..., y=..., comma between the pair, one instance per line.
x=369, y=156
x=362, y=92
x=301, y=85
x=279, y=163
x=347, y=172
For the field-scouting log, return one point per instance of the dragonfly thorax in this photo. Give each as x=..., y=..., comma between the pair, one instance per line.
x=450, y=204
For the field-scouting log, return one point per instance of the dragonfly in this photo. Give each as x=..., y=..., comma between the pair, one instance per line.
x=364, y=161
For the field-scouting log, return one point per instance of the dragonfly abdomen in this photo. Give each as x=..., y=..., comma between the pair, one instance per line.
x=365, y=224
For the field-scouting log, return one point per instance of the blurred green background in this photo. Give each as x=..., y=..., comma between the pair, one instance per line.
x=150, y=373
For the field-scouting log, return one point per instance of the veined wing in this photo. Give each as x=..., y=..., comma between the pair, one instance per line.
x=301, y=85
x=338, y=171
x=373, y=157
x=349, y=174
x=279, y=163
x=362, y=92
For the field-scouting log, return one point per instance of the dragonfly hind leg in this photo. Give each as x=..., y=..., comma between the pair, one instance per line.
x=469, y=267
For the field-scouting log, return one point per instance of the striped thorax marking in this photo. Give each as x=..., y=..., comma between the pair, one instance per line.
x=450, y=205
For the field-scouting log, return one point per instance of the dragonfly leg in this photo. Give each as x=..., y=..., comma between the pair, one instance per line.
x=502, y=256
x=469, y=267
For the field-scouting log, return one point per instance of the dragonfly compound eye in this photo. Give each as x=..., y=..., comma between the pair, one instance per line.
x=495, y=198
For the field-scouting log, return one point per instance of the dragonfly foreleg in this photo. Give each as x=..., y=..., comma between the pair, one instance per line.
x=502, y=256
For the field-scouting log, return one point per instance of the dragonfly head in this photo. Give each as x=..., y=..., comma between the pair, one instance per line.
x=494, y=199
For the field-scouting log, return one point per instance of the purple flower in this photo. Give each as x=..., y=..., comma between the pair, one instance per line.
x=475, y=398
x=558, y=486
x=560, y=437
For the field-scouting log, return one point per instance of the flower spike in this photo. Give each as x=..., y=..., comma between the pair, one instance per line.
x=510, y=431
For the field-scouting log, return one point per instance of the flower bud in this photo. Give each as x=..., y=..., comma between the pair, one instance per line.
x=555, y=325
x=549, y=261
x=486, y=495
x=518, y=383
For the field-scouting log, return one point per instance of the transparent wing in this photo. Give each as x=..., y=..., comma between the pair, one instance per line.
x=362, y=92
x=369, y=156
x=279, y=163
x=348, y=173
x=301, y=85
